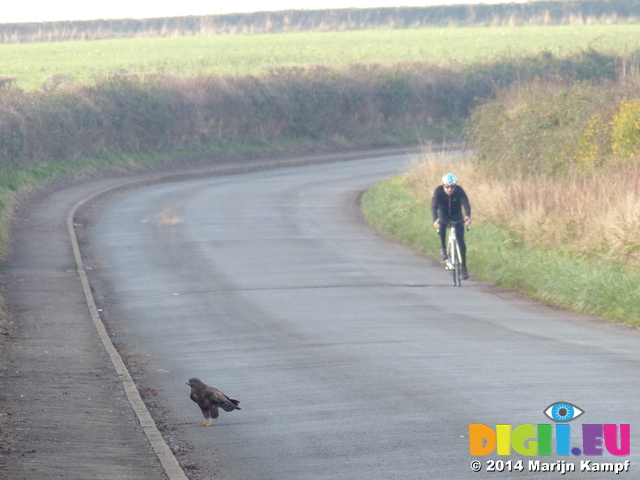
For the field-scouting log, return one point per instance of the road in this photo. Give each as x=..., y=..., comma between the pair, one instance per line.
x=351, y=354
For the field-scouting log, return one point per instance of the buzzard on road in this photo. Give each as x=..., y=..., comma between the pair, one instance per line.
x=209, y=399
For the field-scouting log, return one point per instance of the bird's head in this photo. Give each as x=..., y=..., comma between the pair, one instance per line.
x=192, y=382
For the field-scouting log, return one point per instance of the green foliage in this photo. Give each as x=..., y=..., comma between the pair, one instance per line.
x=625, y=129
x=543, y=127
x=394, y=92
x=593, y=147
x=583, y=65
x=11, y=139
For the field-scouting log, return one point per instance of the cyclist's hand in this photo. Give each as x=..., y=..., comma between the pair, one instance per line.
x=468, y=222
x=436, y=224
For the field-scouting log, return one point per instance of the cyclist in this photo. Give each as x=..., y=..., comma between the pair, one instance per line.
x=446, y=206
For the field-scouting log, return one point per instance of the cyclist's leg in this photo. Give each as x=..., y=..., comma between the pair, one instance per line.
x=443, y=219
x=443, y=236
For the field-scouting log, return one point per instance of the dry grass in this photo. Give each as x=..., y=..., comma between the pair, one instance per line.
x=594, y=214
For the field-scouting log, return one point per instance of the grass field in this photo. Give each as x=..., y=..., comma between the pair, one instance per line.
x=253, y=54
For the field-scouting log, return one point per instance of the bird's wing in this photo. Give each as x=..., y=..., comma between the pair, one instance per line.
x=215, y=395
x=221, y=399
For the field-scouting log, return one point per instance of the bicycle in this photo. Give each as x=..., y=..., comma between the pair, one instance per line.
x=453, y=261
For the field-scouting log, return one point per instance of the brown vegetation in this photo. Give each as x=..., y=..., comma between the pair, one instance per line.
x=593, y=215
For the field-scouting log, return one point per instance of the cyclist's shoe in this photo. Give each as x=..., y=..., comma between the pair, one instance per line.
x=443, y=253
x=464, y=274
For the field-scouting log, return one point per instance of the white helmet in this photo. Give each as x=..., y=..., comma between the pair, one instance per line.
x=449, y=179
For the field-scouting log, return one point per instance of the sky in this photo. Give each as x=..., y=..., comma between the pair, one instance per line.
x=53, y=10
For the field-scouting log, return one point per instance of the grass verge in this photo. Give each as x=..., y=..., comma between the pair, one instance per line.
x=606, y=290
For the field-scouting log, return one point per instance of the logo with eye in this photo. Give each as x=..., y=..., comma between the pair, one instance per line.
x=562, y=412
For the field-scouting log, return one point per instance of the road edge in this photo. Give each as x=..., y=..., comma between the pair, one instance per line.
x=166, y=457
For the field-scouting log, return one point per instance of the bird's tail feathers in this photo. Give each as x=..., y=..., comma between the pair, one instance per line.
x=230, y=407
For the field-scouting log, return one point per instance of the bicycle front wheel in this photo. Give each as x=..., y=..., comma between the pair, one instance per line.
x=457, y=265
x=456, y=274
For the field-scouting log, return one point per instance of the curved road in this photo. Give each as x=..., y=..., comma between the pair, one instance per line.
x=352, y=355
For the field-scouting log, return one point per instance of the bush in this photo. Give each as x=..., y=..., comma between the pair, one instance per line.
x=545, y=128
x=625, y=129
x=134, y=113
x=593, y=147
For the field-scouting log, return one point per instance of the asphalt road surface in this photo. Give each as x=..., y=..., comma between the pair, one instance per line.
x=352, y=355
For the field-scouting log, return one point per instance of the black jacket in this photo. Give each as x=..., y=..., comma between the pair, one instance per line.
x=449, y=206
